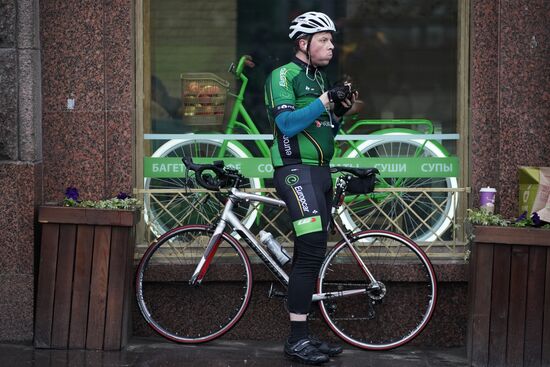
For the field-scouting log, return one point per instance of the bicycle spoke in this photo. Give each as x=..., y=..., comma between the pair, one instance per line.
x=172, y=306
x=400, y=209
x=396, y=308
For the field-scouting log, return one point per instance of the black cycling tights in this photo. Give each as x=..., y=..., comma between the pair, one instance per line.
x=307, y=192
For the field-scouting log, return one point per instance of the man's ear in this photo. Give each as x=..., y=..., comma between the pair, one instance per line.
x=303, y=45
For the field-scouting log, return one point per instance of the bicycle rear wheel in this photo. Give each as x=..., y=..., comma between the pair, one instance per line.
x=395, y=313
x=187, y=313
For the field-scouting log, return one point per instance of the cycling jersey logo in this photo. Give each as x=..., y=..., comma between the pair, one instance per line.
x=322, y=123
x=282, y=77
x=284, y=107
x=291, y=180
x=286, y=145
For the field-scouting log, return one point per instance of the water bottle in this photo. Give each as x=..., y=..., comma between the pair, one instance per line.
x=274, y=248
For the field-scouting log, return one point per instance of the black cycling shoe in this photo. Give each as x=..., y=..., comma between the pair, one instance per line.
x=303, y=351
x=327, y=348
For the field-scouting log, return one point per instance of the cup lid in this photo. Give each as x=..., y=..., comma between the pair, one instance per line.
x=488, y=189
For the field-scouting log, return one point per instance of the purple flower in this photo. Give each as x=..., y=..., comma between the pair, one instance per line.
x=536, y=219
x=122, y=195
x=523, y=216
x=71, y=193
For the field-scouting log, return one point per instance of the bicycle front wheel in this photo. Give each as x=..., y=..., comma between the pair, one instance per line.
x=187, y=313
x=386, y=316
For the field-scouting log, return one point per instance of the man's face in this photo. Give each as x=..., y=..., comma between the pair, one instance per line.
x=321, y=48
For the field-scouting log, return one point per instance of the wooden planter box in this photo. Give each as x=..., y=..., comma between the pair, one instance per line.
x=84, y=278
x=509, y=318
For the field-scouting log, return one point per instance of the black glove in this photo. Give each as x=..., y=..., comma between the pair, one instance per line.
x=339, y=109
x=339, y=93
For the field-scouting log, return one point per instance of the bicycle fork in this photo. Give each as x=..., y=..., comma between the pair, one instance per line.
x=211, y=248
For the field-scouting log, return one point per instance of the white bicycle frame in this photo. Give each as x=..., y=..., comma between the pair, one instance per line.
x=228, y=216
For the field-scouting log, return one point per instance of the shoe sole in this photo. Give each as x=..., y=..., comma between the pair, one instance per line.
x=295, y=358
x=331, y=354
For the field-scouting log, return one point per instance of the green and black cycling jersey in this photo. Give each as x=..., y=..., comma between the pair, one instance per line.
x=288, y=88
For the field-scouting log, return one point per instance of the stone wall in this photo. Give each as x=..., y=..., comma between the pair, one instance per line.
x=52, y=51
x=267, y=318
x=510, y=100
x=20, y=164
x=87, y=56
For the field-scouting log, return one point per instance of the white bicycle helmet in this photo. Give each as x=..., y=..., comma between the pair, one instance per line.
x=310, y=23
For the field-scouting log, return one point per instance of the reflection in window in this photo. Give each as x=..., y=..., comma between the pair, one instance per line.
x=400, y=54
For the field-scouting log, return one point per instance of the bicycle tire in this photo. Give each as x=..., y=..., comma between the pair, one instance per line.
x=186, y=313
x=164, y=211
x=361, y=213
x=378, y=320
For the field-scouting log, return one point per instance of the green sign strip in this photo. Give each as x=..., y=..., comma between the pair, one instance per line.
x=424, y=167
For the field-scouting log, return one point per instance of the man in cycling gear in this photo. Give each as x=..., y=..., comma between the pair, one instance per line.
x=305, y=115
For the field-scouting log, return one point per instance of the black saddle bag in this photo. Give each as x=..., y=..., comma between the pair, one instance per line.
x=361, y=185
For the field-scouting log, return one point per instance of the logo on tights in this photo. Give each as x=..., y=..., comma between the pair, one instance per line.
x=291, y=180
x=308, y=225
x=302, y=198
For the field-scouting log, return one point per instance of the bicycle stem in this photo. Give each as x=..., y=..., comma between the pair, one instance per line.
x=238, y=108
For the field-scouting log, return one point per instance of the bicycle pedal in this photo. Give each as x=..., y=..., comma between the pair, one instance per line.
x=274, y=293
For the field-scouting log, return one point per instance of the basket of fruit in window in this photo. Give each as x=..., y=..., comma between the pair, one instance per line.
x=203, y=97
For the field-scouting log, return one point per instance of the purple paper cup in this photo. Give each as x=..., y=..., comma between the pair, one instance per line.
x=487, y=199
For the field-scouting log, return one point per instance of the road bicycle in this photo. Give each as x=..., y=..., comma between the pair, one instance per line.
x=376, y=289
x=163, y=211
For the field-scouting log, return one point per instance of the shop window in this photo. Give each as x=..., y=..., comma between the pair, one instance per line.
x=401, y=55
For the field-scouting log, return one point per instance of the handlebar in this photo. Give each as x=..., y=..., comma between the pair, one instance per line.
x=245, y=60
x=223, y=176
x=420, y=122
x=358, y=180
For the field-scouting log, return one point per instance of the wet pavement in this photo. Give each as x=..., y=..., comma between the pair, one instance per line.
x=152, y=352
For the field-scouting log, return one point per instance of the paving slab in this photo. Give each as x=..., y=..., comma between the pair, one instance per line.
x=152, y=352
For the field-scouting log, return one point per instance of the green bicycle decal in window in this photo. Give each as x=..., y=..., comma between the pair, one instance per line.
x=416, y=162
